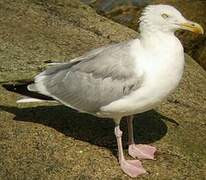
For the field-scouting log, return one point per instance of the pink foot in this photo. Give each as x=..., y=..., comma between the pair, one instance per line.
x=141, y=151
x=132, y=168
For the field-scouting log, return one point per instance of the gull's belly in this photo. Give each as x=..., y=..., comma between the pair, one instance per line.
x=160, y=81
x=155, y=89
x=161, y=75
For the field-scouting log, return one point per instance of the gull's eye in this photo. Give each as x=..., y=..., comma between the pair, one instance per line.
x=164, y=15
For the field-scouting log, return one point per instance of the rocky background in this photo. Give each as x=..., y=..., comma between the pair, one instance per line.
x=127, y=12
x=50, y=141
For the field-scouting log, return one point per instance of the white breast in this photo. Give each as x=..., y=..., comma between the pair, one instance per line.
x=162, y=68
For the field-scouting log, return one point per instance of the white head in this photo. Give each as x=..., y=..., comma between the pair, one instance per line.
x=166, y=18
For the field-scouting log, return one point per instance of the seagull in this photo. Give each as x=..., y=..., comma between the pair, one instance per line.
x=120, y=80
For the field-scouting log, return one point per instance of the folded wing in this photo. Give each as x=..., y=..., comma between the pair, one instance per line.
x=91, y=81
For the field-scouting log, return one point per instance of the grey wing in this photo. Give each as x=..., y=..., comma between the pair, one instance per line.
x=93, y=82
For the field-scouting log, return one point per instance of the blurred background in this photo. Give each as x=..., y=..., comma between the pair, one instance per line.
x=127, y=12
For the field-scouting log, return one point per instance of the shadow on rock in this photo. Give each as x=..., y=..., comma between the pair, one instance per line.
x=149, y=126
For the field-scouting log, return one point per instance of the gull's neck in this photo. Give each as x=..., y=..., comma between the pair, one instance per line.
x=151, y=37
x=155, y=38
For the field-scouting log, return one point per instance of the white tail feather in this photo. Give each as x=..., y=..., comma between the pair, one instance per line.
x=29, y=100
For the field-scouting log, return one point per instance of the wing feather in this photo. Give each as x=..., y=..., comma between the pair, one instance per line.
x=93, y=81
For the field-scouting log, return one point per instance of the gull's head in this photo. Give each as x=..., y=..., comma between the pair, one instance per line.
x=166, y=18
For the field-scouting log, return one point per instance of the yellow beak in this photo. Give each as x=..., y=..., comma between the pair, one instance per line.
x=192, y=26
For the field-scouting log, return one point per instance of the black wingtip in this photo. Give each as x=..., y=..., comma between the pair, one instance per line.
x=20, y=87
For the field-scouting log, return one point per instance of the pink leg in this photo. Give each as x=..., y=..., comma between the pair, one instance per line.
x=141, y=151
x=132, y=168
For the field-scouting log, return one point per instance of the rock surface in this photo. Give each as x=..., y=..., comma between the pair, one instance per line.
x=50, y=141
